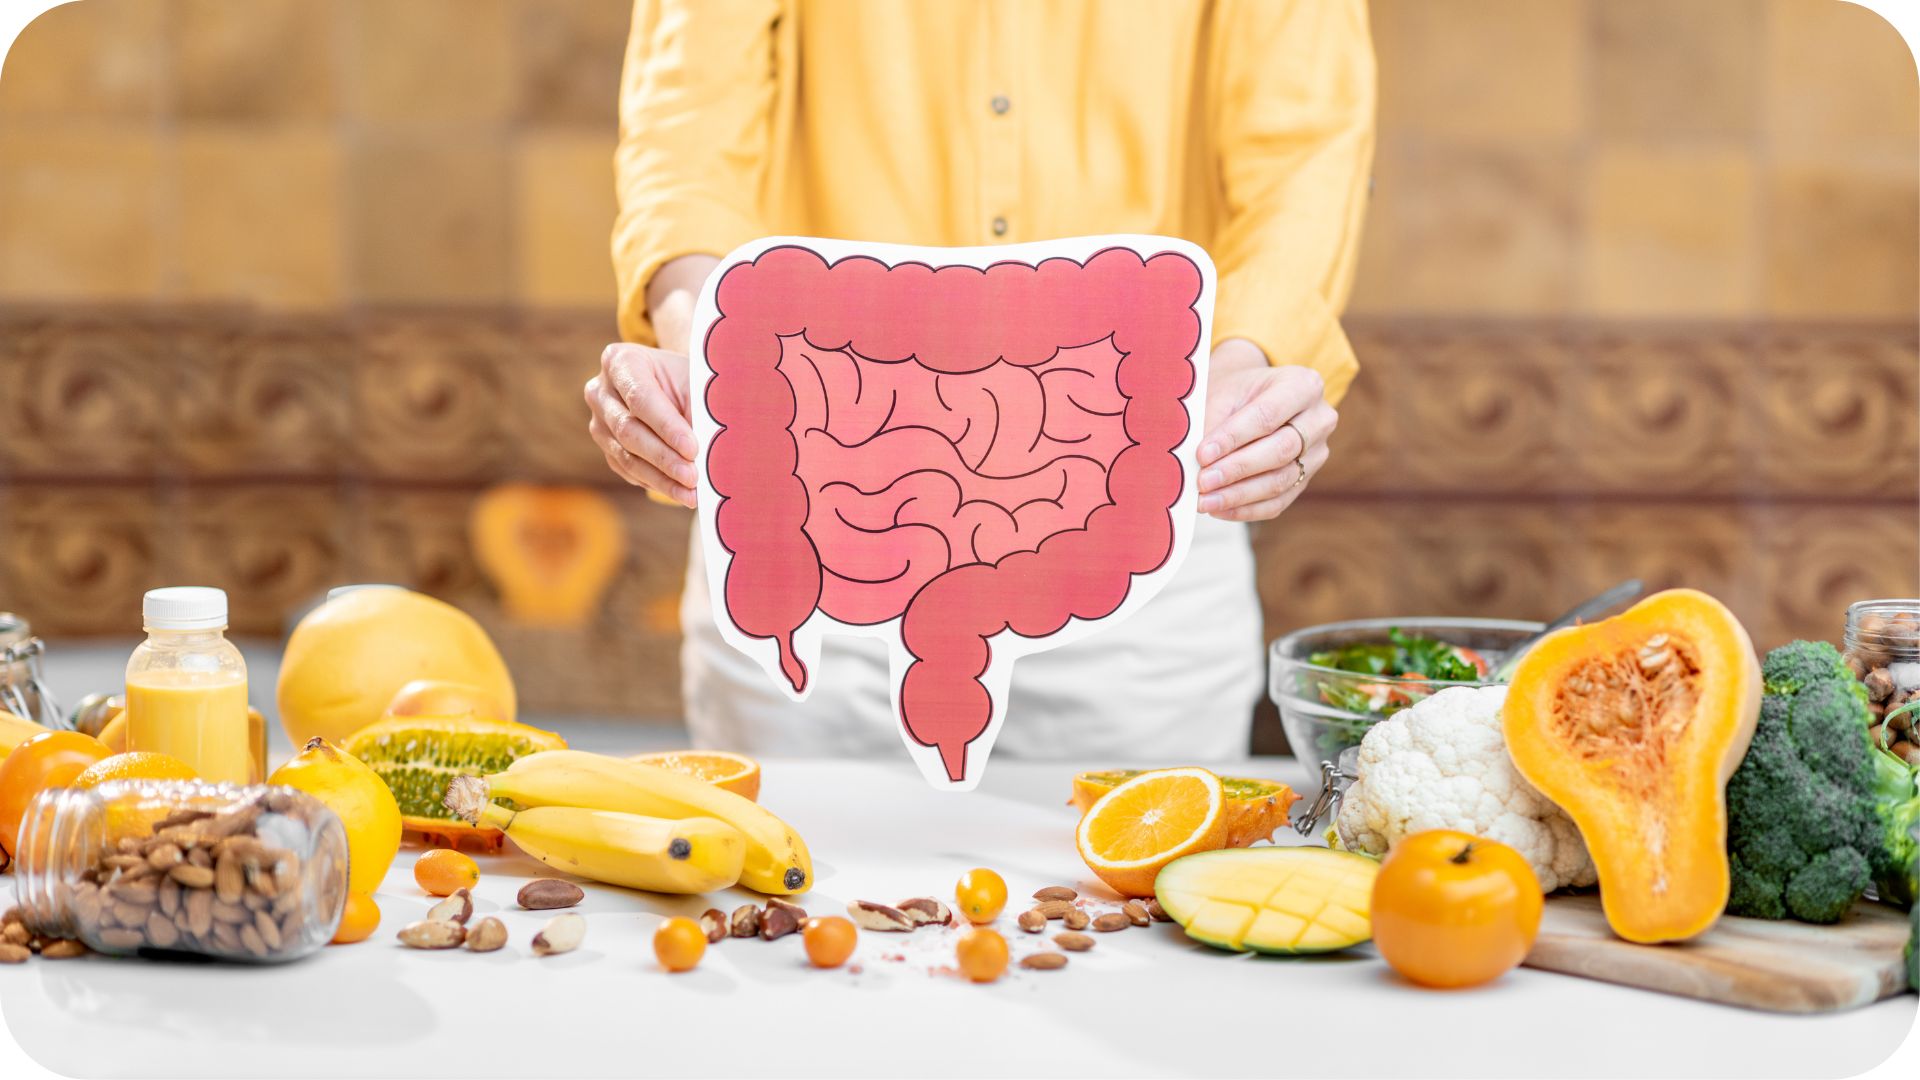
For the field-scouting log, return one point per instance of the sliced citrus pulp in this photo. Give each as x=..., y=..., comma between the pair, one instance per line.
x=1148, y=821
x=737, y=773
x=1255, y=808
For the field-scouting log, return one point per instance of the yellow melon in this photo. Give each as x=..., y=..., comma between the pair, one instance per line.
x=351, y=655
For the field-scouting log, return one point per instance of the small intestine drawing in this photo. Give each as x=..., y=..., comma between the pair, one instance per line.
x=971, y=454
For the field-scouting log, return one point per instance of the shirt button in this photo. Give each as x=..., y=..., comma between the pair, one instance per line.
x=999, y=226
x=1000, y=104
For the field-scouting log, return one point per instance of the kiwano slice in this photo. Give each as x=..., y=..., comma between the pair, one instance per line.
x=1255, y=808
x=1285, y=900
x=419, y=755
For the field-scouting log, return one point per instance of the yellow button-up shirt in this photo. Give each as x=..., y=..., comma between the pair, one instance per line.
x=1245, y=126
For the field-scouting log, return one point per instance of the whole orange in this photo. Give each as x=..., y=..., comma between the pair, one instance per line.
x=982, y=954
x=1451, y=910
x=134, y=765
x=45, y=761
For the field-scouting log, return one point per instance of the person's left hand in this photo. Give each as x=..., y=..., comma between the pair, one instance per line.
x=1266, y=433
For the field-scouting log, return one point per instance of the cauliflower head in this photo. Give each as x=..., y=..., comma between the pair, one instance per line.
x=1443, y=764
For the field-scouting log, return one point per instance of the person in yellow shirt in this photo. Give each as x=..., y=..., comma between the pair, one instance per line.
x=1245, y=126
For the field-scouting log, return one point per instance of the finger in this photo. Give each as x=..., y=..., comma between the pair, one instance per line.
x=641, y=441
x=647, y=399
x=644, y=475
x=616, y=455
x=1263, y=455
x=1265, y=496
x=1292, y=391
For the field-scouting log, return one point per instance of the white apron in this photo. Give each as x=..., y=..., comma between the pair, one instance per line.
x=1175, y=682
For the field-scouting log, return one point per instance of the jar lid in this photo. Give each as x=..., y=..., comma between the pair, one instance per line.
x=185, y=607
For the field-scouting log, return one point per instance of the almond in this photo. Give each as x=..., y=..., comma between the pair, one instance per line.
x=1111, y=921
x=1044, y=961
x=13, y=954
x=63, y=949
x=1136, y=912
x=1032, y=921
x=1077, y=919
x=871, y=916
x=1056, y=892
x=546, y=894
x=1156, y=912
x=1073, y=942
x=1054, y=909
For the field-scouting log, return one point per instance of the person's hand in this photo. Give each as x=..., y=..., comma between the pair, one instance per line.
x=1266, y=433
x=639, y=419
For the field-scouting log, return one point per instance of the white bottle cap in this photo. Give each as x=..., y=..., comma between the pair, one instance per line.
x=339, y=591
x=185, y=607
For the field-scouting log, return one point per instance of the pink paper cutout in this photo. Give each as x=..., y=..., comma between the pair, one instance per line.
x=968, y=450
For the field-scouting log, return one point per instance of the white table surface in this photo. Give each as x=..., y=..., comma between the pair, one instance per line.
x=1142, y=1002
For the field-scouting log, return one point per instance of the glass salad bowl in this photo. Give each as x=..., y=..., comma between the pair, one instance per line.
x=1334, y=681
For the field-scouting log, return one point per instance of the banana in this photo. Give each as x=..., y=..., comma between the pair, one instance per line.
x=691, y=855
x=776, y=860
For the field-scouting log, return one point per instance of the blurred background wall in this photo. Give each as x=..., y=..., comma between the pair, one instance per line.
x=285, y=283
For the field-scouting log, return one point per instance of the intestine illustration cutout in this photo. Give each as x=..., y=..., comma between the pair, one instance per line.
x=972, y=453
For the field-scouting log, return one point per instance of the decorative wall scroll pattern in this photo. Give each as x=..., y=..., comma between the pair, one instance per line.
x=1772, y=465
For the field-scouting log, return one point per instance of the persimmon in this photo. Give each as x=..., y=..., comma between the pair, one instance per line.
x=1451, y=910
x=50, y=760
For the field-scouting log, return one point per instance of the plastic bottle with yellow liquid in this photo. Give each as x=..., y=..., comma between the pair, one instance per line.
x=187, y=686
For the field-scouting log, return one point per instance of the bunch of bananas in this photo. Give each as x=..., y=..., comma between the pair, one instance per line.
x=635, y=825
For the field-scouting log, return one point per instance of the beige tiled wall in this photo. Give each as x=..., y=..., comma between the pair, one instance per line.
x=1716, y=159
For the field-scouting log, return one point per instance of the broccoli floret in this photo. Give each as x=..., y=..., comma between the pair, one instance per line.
x=1804, y=828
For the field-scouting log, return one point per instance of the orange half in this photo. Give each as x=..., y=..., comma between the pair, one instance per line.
x=1149, y=821
x=737, y=773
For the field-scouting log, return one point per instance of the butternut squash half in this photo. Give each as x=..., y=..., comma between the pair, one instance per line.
x=1632, y=725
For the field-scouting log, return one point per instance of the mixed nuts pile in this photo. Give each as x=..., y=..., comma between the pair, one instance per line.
x=446, y=925
x=1055, y=903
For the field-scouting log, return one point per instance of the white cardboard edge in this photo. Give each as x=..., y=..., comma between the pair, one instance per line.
x=1007, y=647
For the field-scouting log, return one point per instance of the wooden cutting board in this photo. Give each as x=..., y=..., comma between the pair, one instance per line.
x=1777, y=966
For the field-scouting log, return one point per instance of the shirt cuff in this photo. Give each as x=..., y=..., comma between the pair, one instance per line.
x=645, y=242
x=1302, y=331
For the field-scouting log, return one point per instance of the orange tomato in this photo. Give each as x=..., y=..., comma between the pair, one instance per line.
x=829, y=940
x=981, y=893
x=679, y=943
x=444, y=871
x=45, y=761
x=1452, y=910
x=982, y=954
x=358, y=922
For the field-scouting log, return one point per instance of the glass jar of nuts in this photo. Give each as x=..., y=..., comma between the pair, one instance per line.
x=250, y=873
x=1882, y=646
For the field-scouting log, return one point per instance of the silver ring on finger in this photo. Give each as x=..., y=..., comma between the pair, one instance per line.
x=1302, y=436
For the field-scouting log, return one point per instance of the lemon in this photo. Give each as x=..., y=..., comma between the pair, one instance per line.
x=351, y=655
x=359, y=797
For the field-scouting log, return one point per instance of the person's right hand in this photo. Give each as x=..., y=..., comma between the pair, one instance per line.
x=639, y=419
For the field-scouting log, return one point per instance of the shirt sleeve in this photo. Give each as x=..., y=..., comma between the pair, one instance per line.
x=696, y=118
x=1295, y=125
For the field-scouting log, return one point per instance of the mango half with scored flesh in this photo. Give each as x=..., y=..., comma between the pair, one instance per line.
x=1284, y=900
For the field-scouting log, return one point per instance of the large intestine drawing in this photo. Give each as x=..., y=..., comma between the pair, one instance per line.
x=968, y=453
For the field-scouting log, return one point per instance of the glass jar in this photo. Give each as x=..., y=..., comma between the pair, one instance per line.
x=139, y=867
x=1882, y=647
x=187, y=686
